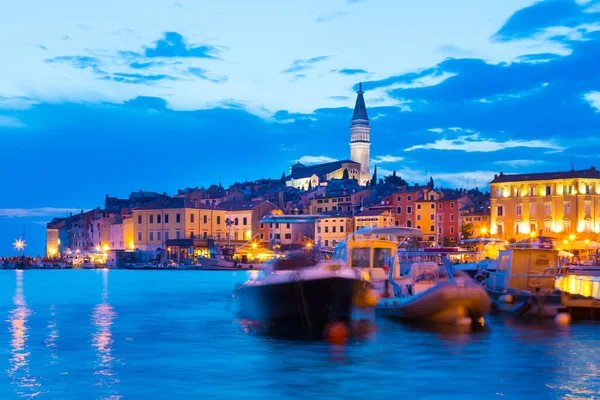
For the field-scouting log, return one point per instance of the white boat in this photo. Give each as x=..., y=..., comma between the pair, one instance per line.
x=221, y=264
x=426, y=292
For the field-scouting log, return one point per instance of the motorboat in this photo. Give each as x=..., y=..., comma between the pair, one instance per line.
x=427, y=291
x=223, y=264
x=299, y=293
x=532, y=282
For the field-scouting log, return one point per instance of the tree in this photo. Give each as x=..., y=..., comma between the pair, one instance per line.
x=309, y=185
x=395, y=180
x=466, y=231
x=345, y=174
x=282, y=180
x=374, y=179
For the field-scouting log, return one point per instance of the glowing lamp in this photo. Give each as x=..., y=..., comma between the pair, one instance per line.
x=105, y=248
x=572, y=237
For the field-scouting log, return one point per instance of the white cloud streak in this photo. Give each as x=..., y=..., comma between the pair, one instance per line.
x=10, y=122
x=316, y=159
x=386, y=159
x=475, y=143
x=35, y=212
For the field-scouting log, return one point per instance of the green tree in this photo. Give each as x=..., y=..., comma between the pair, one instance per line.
x=466, y=231
x=394, y=180
x=345, y=175
x=374, y=179
x=282, y=180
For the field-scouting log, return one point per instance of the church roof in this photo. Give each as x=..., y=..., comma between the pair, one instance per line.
x=360, y=110
x=320, y=169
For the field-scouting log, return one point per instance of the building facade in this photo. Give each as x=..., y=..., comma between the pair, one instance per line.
x=332, y=228
x=558, y=204
x=377, y=218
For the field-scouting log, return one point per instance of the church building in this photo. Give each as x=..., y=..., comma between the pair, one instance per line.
x=303, y=177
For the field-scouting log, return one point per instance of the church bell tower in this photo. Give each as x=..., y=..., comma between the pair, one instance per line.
x=360, y=134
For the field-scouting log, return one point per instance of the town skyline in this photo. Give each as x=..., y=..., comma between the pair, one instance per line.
x=462, y=92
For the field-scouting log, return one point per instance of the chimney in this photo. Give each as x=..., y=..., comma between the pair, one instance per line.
x=495, y=176
x=593, y=168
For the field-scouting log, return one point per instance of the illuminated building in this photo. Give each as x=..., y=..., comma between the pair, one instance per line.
x=376, y=218
x=333, y=227
x=558, y=204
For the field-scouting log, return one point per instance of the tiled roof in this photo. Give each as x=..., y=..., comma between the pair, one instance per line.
x=320, y=169
x=360, y=110
x=239, y=205
x=175, y=202
x=339, y=214
x=371, y=213
x=542, y=176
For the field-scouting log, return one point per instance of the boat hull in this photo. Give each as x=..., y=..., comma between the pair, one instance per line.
x=446, y=302
x=524, y=303
x=298, y=305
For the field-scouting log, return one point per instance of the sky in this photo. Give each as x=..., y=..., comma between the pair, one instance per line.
x=111, y=97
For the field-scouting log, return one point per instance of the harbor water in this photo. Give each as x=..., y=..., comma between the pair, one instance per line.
x=119, y=334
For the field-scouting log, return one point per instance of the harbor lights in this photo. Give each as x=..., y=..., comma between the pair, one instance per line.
x=20, y=244
x=105, y=248
x=572, y=239
x=309, y=245
x=254, y=245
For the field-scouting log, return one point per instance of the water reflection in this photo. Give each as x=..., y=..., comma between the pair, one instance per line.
x=27, y=385
x=52, y=335
x=102, y=318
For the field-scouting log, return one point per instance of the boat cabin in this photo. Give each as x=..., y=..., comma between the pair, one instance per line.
x=524, y=269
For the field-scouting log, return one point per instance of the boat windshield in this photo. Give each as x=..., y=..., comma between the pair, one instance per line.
x=361, y=257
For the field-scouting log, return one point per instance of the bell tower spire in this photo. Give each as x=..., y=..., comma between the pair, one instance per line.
x=360, y=134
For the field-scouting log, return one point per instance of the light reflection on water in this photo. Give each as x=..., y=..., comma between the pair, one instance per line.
x=20, y=374
x=169, y=335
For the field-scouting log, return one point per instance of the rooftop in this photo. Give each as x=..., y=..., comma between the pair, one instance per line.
x=372, y=213
x=590, y=173
x=318, y=169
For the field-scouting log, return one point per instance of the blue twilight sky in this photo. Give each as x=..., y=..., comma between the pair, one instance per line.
x=115, y=96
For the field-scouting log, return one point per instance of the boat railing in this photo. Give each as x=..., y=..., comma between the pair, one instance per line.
x=500, y=280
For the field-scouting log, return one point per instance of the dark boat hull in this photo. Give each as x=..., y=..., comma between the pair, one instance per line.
x=301, y=306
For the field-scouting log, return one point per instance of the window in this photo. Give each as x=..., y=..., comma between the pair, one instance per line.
x=418, y=226
x=548, y=190
x=166, y=235
x=270, y=236
x=288, y=235
x=277, y=235
x=519, y=210
x=588, y=225
x=205, y=219
x=399, y=198
x=440, y=230
x=158, y=218
x=139, y=219
x=288, y=225
x=439, y=206
x=192, y=219
x=452, y=230
x=235, y=221
x=547, y=226
x=192, y=235
x=166, y=219
x=140, y=236
x=245, y=221
x=151, y=221
x=500, y=229
x=341, y=228
x=177, y=218
x=418, y=217
x=531, y=190
x=440, y=217
x=498, y=192
x=318, y=229
x=567, y=225
x=218, y=220
x=432, y=206
x=432, y=228
x=262, y=236
x=588, y=189
x=451, y=217
x=177, y=234
x=532, y=209
x=548, y=208
x=517, y=227
x=588, y=207
x=451, y=205
x=500, y=211
x=431, y=197
x=516, y=192
x=568, y=208
x=158, y=235
x=409, y=210
x=333, y=229
x=533, y=228
x=151, y=236
x=408, y=224
x=432, y=216
x=326, y=229
x=205, y=235
x=398, y=210
x=418, y=206
x=409, y=198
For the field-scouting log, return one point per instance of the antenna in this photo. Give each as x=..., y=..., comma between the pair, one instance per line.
x=572, y=163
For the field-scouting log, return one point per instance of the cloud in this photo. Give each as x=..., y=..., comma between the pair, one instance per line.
x=35, y=212
x=436, y=130
x=304, y=64
x=138, y=78
x=39, y=46
x=146, y=65
x=330, y=16
x=80, y=62
x=467, y=179
x=455, y=51
x=532, y=20
x=173, y=45
x=339, y=98
x=178, y=5
x=147, y=103
x=519, y=163
x=16, y=103
x=540, y=57
x=474, y=143
x=10, y=122
x=315, y=159
x=205, y=75
x=594, y=99
x=351, y=71
x=386, y=159
x=65, y=37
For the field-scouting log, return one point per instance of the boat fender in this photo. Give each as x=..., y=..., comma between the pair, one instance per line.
x=506, y=298
x=521, y=309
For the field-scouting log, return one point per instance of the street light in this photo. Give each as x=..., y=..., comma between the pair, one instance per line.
x=19, y=244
